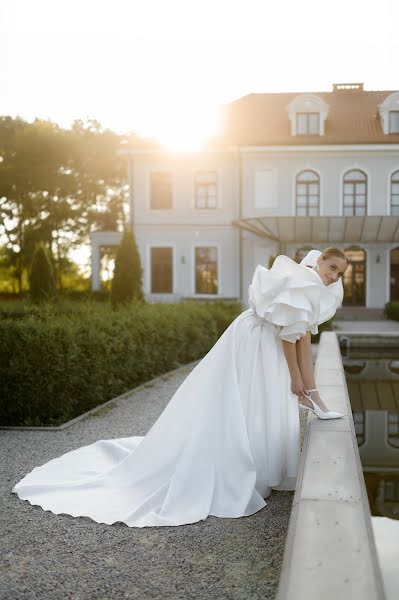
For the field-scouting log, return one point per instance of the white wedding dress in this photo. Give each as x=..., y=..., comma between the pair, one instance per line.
x=229, y=435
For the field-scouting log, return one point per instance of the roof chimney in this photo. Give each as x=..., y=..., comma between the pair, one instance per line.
x=347, y=87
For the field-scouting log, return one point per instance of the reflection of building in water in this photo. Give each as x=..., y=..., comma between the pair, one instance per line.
x=373, y=387
x=383, y=494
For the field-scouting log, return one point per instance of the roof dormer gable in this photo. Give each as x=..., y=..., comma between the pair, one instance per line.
x=307, y=113
x=389, y=113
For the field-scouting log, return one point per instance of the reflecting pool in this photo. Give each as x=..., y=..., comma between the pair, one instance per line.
x=373, y=385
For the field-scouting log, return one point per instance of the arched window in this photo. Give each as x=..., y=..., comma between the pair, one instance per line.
x=307, y=194
x=355, y=193
x=359, y=418
x=354, y=279
x=395, y=193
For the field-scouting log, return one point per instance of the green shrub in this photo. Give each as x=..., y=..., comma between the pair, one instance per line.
x=391, y=310
x=41, y=276
x=126, y=282
x=58, y=361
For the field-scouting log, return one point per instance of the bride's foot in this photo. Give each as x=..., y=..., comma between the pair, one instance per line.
x=316, y=398
x=317, y=406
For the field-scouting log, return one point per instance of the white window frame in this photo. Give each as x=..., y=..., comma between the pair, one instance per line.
x=218, y=208
x=307, y=167
x=355, y=167
x=389, y=121
x=362, y=246
x=206, y=244
x=307, y=113
x=389, y=205
x=295, y=198
x=147, y=274
x=307, y=103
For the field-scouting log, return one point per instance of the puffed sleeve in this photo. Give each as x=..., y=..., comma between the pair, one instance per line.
x=291, y=297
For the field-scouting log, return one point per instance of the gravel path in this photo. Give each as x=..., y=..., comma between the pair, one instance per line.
x=50, y=556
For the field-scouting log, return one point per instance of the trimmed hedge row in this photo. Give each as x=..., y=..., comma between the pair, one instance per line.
x=60, y=361
x=392, y=310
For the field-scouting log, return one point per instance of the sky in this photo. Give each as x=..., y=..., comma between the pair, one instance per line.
x=162, y=68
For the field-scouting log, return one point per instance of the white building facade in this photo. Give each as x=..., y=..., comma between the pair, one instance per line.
x=291, y=172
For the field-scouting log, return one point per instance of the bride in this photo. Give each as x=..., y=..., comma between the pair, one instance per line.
x=230, y=433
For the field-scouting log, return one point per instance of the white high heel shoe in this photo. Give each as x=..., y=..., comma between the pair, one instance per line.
x=331, y=414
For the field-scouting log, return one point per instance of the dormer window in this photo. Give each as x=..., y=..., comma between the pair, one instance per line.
x=307, y=113
x=307, y=123
x=389, y=114
x=394, y=121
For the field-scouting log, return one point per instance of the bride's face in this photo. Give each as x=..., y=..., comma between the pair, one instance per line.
x=331, y=269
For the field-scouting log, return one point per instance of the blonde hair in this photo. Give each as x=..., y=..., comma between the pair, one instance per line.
x=333, y=251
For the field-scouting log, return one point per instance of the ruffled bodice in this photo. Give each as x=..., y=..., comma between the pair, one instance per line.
x=293, y=297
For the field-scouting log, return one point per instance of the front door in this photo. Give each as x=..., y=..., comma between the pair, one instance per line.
x=355, y=278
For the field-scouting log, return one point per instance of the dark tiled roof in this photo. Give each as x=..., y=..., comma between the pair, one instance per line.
x=262, y=119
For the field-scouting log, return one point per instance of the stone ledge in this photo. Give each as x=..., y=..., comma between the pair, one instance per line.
x=330, y=549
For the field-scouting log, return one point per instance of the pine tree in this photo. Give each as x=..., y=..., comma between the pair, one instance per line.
x=126, y=282
x=41, y=276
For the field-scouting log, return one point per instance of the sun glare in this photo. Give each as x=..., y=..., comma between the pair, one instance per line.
x=182, y=128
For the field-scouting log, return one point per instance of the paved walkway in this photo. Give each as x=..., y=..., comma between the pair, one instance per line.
x=44, y=555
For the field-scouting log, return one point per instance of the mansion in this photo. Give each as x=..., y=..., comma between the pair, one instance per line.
x=289, y=172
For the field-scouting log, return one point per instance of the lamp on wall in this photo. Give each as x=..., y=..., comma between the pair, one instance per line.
x=183, y=260
x=378, y=258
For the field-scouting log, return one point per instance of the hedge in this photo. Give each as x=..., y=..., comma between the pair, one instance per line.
x=392, y=310
x=59, y=361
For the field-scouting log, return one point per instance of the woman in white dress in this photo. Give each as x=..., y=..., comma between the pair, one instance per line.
x=230, y=433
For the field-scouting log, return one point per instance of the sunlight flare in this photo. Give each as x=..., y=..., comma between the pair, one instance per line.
x=182, y=128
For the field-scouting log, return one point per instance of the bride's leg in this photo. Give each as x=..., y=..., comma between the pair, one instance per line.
x=305, y=364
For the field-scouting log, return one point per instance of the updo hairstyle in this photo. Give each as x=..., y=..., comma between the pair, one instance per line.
x=333, y=251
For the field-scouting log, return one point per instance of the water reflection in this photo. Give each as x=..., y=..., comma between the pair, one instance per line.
x=373, y=385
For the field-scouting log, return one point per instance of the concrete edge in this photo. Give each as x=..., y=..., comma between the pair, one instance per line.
x=99, y=406
x=314, y=586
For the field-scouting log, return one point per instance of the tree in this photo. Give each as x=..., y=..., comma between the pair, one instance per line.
x=126, y=282
x=57, y=186
x=41, y=277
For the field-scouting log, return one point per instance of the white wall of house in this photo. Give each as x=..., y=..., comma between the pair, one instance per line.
x=184, y=226
x=265, y=180
x=183, y=240
x=183, y=168
x=331, y=167
x=278, y=171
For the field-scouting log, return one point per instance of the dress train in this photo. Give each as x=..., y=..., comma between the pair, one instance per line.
x=229, y=435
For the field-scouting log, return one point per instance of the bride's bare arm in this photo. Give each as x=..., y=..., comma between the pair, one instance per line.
x=290, y=352
x=305, y=361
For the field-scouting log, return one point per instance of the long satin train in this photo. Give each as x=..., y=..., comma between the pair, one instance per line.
x=229, y=435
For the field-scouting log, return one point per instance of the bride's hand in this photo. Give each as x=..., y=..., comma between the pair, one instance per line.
x=297, y=387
